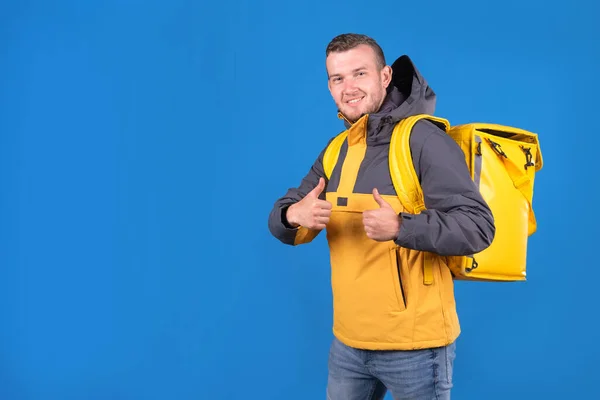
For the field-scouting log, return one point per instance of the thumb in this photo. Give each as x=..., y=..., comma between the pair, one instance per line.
x=318, y=189
x=382, y=203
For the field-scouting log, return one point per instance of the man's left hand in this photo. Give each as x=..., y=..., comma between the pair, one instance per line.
x=381, y=224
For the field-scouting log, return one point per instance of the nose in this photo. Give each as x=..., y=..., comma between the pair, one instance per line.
x=350, y=90
x=349, y=86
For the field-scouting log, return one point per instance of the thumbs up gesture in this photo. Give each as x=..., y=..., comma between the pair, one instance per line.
x=310, y=212
x=382, y=223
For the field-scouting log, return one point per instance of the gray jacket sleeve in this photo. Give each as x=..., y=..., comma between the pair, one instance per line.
x=278, y=224
x=457, y=220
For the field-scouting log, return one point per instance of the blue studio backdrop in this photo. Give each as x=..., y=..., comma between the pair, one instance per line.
x=142, y=145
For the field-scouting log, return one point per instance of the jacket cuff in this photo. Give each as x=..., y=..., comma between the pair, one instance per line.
x=408, y=227
x=284, y=220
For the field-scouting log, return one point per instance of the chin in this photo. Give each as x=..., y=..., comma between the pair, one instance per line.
x=353, y=115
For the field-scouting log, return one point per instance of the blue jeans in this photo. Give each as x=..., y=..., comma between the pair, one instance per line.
x=367, y=375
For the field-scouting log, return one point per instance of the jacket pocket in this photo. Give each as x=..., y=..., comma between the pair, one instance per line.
x=396, y=271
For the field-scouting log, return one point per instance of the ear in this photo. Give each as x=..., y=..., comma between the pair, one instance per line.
x=386, y=75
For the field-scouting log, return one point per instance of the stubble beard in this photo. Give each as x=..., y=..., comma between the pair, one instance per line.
x=370, y=109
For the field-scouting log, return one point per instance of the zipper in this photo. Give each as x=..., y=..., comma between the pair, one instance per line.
x=400, y=278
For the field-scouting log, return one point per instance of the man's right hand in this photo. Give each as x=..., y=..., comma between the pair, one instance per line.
x=310, y=212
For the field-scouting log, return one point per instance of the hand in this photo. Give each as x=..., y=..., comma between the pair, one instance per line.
x=310, y=212
x=383, y=223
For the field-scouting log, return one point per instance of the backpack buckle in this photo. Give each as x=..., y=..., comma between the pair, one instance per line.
x=497, y=148
x=528, y=156
x=474, y=265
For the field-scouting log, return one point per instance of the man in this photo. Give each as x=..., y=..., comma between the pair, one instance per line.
x=393, y=329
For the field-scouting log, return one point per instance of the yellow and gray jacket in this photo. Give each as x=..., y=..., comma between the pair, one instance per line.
x=380, y=300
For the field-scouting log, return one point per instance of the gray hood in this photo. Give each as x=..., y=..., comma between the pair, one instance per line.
x=408, y=94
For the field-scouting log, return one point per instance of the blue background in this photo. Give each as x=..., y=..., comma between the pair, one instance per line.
x=142, y=145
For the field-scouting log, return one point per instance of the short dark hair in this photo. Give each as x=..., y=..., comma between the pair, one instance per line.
x=348, y=41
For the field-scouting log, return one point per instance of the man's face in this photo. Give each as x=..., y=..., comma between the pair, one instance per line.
x=356, y=83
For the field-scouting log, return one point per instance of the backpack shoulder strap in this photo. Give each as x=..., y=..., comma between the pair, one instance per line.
x=402, y=170
x=332, y=152
x=404, y=176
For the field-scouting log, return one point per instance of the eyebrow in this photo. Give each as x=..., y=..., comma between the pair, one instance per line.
x=354, y=70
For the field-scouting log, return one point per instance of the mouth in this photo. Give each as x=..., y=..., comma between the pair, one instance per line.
x=354, y=102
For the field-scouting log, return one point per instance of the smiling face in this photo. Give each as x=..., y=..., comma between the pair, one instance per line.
x=357, y=82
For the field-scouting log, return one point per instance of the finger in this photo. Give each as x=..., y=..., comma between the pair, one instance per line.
x=316, y=192
x=322, y=213
x=382, y=203
x=324, y=204
x=322, y=221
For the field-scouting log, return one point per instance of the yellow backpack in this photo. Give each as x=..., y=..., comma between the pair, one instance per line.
x=502, y=161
